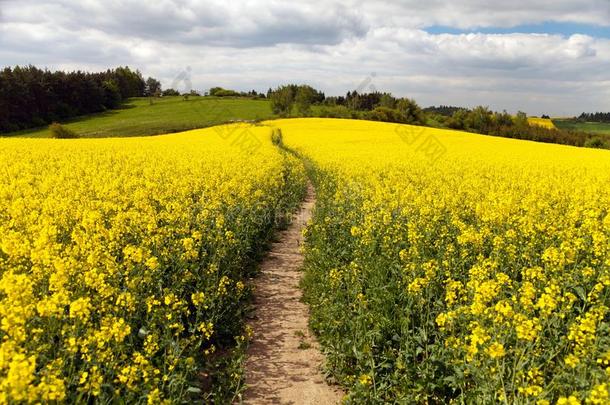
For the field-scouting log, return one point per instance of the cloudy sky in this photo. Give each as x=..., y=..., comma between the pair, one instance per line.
x=541, y=56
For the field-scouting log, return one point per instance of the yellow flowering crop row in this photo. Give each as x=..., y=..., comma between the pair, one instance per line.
x=122, y=260
x=541, y=122
x=452, y=267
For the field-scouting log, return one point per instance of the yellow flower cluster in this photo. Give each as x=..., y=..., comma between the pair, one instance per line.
x=485, y=262
x=122, y=259
x=541, y=122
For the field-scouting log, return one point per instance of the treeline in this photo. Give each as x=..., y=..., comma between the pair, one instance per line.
x=297, y=100
x=484, y=121
x=363, y=101
x=444, y=110
x=595, y=117
x=285, y=98
x=222, y=92
x=32, y=97
x=375, y=106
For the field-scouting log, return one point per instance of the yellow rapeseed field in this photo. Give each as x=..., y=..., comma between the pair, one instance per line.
x=442, y=266
x=122, y=260
x=541, y=122
x=452, y=267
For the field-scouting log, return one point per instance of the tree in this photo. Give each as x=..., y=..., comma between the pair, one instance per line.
x=503, y=119
x=282, y=100
x=458, y=119
x=170, y=92
x=304, y=98
x=387, y=101
x=131, y=84
x=480, y=120
x=153, y=86
x=521, y=119
x=411, y=111
x=112, y=94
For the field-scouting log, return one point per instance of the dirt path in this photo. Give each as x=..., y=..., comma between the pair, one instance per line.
x=283, y=365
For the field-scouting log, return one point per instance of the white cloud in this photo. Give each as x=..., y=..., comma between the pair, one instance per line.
x=484, y=13
x=333, y=45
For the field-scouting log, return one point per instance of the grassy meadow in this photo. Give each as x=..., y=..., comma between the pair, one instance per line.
x=591, y=127
x=138, y=117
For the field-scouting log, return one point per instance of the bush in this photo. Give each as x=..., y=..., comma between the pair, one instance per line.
x=220, y=92
x=60, y=132
x=386, y=114
x=276, y=136
x=170, y=92
x=337, y=111
x=596, y=142
x=227, y=93
x=193, y=93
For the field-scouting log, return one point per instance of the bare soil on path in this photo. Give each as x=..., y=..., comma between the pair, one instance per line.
x=284, y=361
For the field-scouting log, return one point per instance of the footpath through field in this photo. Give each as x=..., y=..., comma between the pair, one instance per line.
x=284, y=360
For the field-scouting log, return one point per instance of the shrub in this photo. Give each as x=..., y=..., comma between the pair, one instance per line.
x=337, y=111
x=386, y=114
x=220, y=92
x=276, y=136
x=60, y=132
x=170, y=92
x=596, y=142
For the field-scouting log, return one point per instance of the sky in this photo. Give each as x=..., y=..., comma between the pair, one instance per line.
x=538, y=56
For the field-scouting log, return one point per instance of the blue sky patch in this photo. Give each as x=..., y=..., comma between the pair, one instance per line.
x=557, y=28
